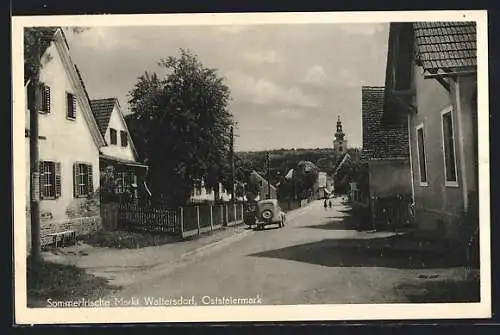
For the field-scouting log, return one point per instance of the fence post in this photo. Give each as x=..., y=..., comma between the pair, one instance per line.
x=181, y=221
x=234, y=210
x=241, y=207
x=227, y=214
x=198, y=218
x=222, y=214
x=211, y=217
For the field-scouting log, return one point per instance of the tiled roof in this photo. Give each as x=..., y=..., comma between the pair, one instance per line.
x=102, y=109
x=446, y=45
x=380, y=141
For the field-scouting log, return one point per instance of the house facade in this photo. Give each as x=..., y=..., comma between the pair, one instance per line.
x=202, y=193
x=431, y=80
x=69, y=142
x=386, y=151
x=120, y=152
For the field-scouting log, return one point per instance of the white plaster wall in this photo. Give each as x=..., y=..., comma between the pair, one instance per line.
x=66, y=141
x=116, y=150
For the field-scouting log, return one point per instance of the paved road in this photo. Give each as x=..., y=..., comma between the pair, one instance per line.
x=315, y=259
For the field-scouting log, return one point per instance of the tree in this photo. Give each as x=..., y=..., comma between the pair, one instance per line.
x=36, y=42
x=182, y=124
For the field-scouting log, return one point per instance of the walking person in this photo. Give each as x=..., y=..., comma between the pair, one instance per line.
x=325, y=205
x=330, y=204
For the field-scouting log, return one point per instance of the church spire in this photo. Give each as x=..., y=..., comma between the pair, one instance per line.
x=340, y=144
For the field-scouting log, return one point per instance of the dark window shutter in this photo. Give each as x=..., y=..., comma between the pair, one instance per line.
x=75, y=180
x=90, y=179
x=73, y=104
x=57, y=179
x=46, y=99
x=40, y=179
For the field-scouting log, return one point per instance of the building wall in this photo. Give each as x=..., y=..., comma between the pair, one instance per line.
x=65, y=141
x=389, y=178
x=116, y=150
x=438, y=207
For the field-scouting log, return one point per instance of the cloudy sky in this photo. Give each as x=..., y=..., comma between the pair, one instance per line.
x=288, y=82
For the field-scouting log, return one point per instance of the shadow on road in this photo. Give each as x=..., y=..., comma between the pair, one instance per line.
x=374, y=252
x=439, y=291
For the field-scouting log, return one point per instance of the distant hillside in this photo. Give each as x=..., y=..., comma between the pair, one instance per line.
x=283, y=160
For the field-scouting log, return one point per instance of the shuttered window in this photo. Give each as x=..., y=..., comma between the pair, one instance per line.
x=45, y=96
x=83, y=184
x=113, y=136
x=50, y=180
x=123, y=138
x=70, y=105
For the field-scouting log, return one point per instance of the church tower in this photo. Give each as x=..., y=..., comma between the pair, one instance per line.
x=340, y=143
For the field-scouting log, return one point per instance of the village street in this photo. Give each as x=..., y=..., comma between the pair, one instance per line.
x=317, y=258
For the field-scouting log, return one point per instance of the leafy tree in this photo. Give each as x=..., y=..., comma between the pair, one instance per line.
x=182, y=125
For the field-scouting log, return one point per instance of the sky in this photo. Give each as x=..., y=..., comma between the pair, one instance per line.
x=288, y=83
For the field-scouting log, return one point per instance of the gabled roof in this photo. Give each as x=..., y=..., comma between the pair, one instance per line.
x=61, y=46
x=446, y=46
x=381, y=141
x=256, y=174
x=102, y=110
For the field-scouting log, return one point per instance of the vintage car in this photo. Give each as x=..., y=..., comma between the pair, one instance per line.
x=249, y=213
x=269, y=212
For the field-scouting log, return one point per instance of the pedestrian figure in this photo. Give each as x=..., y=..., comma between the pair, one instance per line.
x=325, y=204
x=330, y=203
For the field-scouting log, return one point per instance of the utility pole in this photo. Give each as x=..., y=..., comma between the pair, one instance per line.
x=268, y=175
x=231, y=153
x=33, y=106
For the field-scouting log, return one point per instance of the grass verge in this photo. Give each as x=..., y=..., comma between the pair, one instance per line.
x=59, y=282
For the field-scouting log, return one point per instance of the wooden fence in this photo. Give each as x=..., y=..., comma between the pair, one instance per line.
x=186, y=221
x=392, y=212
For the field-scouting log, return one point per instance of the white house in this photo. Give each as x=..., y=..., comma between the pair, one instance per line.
x=120, y=151
x=203, y=193
x=69, y=142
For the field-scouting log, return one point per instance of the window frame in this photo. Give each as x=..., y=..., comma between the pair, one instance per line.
x=86, y=177
x=52, y=185
x=123, y=139
x=426, y=181
x=111, y=132
x=73, y=106
x=449, y=183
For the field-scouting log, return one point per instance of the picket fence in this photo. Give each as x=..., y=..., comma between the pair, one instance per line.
x=185, y=221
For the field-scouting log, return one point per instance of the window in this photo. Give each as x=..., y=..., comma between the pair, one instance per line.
x=113, y=136
x=340, y=149
x=421, y=155
x=449, y=148
x=50, y=180
x=70, y=105
x=45, y=95
x=123, y=138
x=83, y=184
x=124, y=179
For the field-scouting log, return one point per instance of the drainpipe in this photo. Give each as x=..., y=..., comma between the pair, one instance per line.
x=461, y=144
x=411, y=159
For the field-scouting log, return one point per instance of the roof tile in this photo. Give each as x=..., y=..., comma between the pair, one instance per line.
x=380, y=141
x=438, y=44
x=102, y=109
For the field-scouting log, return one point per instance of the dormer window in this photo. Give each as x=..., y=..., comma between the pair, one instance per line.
x=113, y=136
x=123, y=138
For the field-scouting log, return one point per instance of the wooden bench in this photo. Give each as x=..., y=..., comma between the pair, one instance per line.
x=63, y=234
